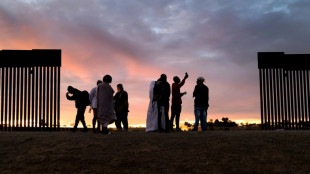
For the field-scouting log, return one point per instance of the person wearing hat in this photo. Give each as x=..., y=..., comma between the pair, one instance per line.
x=201, y=94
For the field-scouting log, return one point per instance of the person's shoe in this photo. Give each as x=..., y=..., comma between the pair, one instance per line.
x=85, y=130
x=172, y=130
x=73, y=130
x=194, y=130
x=125, y=130
x=106, y=132
x=178, y=130
x=205, y=131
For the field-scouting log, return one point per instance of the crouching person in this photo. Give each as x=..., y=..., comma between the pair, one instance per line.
x=81, y=102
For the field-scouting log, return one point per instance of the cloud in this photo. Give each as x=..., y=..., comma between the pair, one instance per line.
x=136, y=41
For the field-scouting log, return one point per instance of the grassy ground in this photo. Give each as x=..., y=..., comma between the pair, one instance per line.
x=138, y=152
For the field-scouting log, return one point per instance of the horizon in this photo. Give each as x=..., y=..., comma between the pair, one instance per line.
x=135, y=42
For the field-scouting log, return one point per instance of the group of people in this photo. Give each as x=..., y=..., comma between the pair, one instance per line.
x=158, y=111
x=107, y=107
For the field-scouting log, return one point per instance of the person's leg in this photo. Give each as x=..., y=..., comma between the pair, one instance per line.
x=105, y=130
x=82, y=118
x=98, y=125
x=159, y=116
x=177, y=118
x=125, y=120
x=172, y=116
x=197, y=117
x=206, y=114
x=118, y=121
x=77, y=119
x=97, y=119
x=203, y=112
x=84, y=124
x=166, y=106
x=94, y=119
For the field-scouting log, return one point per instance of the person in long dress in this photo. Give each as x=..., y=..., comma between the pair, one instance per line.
x=105, y=108
x=152, y=113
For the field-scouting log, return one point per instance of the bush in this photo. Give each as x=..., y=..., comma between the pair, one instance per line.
x=225, y=123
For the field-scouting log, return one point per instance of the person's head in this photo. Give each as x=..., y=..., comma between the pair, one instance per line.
x=70, y=89
x=163, y=78
x=107, y=79
x=176, y=79
x=200, y=80
x=98, y=82
x=120, y=88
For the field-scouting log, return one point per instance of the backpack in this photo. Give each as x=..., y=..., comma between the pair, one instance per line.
x=85, y=98
x=157, y=91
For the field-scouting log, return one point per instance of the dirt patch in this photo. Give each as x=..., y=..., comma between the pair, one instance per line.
x=139, y=152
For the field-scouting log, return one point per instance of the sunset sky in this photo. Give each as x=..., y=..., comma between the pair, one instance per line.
x=136, y=41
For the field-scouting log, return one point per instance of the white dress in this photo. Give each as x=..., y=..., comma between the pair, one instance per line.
x=152, y=113
x=93, y=97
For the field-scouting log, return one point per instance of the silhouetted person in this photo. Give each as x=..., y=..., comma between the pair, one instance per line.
x=152, y=112
x=121, y=108
x=106, y=113
x=201, y=94
x=161, y=95
x=176, y=106
x=93, y=104
x=81, y=102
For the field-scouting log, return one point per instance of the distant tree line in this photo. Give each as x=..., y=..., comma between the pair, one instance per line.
x=225, y=122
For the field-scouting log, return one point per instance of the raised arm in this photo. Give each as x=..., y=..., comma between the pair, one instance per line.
x=183, y=81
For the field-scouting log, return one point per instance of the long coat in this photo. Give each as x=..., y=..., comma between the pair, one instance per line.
x=105, y=108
